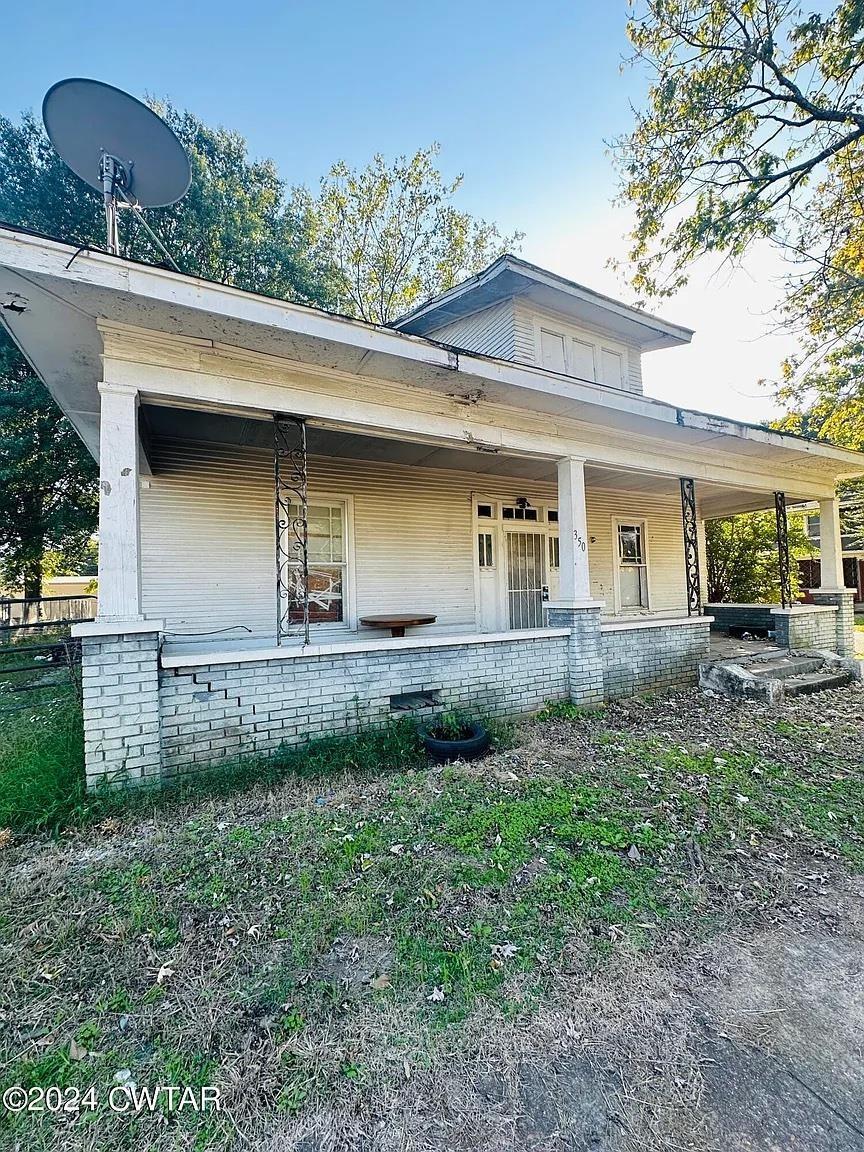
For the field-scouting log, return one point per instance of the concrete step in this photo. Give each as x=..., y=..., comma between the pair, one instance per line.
x=784, y=667
x=776, y=677
x=816, y=682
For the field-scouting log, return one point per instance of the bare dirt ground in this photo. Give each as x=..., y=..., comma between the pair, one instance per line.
x=427, y=963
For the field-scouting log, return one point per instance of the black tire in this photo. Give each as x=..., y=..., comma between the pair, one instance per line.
x=468, y=749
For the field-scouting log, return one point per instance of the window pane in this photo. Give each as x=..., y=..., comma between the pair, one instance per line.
x=554, y=552
x=631, y=586
x=484, y=549
x=552, y=351
x=553, y=515
x=612, y=368
x=583, y=360
x=325, y=533
x=508, y=513
x=485, y=511
x=325, y=597
x=630, y=543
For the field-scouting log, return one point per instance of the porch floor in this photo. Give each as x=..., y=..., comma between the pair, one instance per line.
x=729, y=648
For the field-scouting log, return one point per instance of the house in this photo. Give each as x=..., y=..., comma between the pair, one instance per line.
x=853, y=551
x=273, y=475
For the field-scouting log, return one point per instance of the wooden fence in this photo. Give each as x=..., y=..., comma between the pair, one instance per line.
x=44, y=612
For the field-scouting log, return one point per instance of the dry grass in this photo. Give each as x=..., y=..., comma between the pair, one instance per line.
x=502, y=955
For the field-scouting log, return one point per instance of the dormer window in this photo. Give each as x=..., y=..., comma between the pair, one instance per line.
x=581, y=355
x=552, y=355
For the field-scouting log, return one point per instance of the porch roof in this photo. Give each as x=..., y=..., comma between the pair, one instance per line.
x=53, y=298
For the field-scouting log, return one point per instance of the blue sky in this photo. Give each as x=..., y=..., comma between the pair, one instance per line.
x=522, y=98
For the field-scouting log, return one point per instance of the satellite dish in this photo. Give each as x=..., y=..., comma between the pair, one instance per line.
x=118, y=146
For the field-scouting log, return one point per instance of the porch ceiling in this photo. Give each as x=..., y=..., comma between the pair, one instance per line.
x=162, y=422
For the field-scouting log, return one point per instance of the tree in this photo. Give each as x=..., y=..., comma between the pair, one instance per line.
x=742, y=557
x=395, y=236
x=754, y=129
x=47, y=478
x=749, y=101
x=236, y=225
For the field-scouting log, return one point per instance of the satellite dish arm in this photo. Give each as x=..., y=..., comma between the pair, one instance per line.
x=140, y=217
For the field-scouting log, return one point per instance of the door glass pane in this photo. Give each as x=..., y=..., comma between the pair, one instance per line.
x=552, y=351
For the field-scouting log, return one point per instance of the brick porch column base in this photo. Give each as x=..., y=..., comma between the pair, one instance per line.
x=844, y=600
x=120, y=686
x=584, y=648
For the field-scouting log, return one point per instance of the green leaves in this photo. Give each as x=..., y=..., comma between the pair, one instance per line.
x=742, y=557
x=395, y=237
x=747, y=101
x=237, y=225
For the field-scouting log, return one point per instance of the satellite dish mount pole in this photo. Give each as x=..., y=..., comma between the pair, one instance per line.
x=113, y=177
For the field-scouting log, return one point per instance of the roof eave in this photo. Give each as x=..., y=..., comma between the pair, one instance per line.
x=665, y=333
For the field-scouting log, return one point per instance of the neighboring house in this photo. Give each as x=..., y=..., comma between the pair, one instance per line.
x=490, y=460
x=59, y=586
x=853, y=554
x=63, y=599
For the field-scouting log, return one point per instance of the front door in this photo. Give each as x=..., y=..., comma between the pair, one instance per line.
x=525, y=578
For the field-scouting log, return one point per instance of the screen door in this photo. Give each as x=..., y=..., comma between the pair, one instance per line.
x=525, y=579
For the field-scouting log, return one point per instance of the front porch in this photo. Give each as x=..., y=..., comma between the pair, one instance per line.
x=547, y=577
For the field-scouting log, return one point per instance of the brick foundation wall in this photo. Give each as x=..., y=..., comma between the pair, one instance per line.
x=227, y=710
x=844, y=644
x=741, y=616
x=584, y=652
x=807, y=626
x=120, y=686
x=642, y=659
x=143, y=721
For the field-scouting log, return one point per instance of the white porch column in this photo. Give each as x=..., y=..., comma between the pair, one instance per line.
x=575, y=577
x=831, y=545
x=119, y=529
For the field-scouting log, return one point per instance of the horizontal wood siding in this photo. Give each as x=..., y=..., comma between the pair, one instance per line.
x=207, y=527
x=490, y=332
x=667, y=579
x=207, y=531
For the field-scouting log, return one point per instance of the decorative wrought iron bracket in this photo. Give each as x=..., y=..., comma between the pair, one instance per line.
x=691, y=547
x=783, y=549
x=292, y=527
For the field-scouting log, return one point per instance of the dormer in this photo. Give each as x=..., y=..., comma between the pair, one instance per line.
x=516, y=311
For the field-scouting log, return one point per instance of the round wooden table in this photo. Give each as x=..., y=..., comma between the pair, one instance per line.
x=397, y=622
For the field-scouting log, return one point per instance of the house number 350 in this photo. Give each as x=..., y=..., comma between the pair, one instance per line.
x=579, y=539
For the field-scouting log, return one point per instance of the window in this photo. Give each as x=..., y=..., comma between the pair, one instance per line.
x=517, y=512
x=552, y=351
x=554, y=552
x=577, y=353
x=485, y=512
x=612, y=368
x=484, y=550
x=582, y=360
x=552, y=515
x=632, y=567
x=327, y=567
